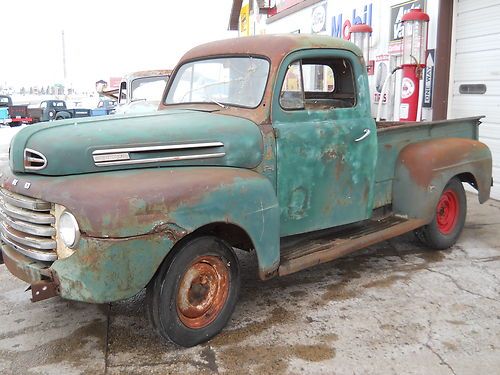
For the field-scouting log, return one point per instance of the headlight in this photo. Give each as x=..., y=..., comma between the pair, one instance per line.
x=51, y=114
x=68, y=229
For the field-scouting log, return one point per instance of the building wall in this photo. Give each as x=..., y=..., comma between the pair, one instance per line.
x=339, y=16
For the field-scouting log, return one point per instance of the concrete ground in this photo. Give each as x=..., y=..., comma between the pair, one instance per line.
x=395, y=308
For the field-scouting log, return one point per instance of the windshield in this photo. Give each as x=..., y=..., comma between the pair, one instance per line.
x=238, y=81
x=148, y=88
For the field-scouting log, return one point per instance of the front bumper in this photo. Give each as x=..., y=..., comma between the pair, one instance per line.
x=36, y=273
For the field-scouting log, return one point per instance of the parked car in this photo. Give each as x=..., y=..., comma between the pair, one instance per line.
x=49, y=110
x=104, y=107
x=264, y=144
x=140, y=91
x=13, y=115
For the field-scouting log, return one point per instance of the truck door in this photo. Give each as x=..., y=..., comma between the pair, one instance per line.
x=326, y=141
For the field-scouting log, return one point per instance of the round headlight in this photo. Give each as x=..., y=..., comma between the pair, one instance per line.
x=68, y=229
x=51, y=114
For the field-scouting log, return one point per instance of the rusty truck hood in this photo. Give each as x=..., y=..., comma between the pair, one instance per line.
x=164, y=138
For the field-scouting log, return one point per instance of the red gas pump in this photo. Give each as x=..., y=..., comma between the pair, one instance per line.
x=415, y=24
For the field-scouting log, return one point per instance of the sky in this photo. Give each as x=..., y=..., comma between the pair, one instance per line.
x=102, y=38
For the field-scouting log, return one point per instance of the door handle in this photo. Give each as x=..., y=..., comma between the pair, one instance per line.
x=366, y=133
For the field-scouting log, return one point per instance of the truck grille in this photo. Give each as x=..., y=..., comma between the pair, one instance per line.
x=27, y=225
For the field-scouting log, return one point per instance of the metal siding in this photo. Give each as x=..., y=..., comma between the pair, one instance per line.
x=476, y=57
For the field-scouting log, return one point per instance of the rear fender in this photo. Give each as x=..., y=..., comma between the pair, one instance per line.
x=424, y=168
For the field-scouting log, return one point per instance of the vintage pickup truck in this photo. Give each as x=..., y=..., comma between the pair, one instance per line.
x=49, y=110
x=262, y=144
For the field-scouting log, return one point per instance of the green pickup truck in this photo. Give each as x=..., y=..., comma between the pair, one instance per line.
x=263, y=144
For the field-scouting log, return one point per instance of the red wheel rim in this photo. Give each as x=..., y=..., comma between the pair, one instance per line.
x=203, y=291
x=447, y=212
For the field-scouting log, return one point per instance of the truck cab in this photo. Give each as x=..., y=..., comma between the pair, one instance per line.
x=139, y=92
x=264, y=144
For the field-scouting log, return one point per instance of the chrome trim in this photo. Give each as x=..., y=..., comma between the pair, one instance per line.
x=31, y=159
x=111, y=157
x=24, y=202
x=37, y=243
x=158, y=160
x=22, y=226
x=158, y=148
x=48, y=256
x=23, y=214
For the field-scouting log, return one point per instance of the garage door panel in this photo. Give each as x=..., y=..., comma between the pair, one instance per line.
x=479, y=43
x=477, y=66
x=473, y=24
x=489, y=130
x=476, y=105
x=465, y=6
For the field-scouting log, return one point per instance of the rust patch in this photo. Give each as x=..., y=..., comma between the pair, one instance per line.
x=423, y=159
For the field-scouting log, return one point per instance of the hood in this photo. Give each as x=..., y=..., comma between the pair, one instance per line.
x=165, y=138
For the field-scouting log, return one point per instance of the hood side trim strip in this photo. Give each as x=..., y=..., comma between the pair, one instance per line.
x=158, y=148
x=159, y=160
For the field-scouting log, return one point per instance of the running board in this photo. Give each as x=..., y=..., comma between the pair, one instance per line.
x=304, y=251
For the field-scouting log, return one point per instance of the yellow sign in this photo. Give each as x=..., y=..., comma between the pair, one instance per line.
x=245, y=20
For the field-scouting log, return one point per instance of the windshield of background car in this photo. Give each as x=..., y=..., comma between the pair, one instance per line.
x=238, y=81
x=148, y=88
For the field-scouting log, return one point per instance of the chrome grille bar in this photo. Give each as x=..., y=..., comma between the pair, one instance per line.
x=24, y=202
x=45, y=256
x=27, y=226
x=35, y=242
x=37, y=230
x=27, y=215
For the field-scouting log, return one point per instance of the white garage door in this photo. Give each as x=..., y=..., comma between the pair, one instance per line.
x=476, y=72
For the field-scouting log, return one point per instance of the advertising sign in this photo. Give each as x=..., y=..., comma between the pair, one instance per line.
x=396, y=27
x=428, y=79
x=342, y=22
x=381, y=71
x=318, y=22
x=245, y=20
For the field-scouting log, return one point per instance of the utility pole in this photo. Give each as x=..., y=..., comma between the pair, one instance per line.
x=64, y=58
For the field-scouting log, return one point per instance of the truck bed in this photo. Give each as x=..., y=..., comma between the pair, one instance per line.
x=393, y=136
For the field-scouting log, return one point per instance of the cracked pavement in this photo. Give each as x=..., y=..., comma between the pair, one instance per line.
x=394, y=308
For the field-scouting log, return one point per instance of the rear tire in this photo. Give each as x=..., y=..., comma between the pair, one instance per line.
x=449, y=218
x=194, y=293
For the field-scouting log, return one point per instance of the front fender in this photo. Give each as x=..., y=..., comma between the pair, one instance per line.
x=130, y=220
x=424, y=168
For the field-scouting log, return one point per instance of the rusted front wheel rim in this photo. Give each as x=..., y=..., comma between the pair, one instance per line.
x=203, y=291
x=447, y=212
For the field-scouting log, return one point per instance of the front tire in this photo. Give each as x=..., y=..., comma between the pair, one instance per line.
x=195, y=291
x=449, y=218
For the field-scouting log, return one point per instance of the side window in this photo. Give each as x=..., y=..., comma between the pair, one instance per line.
x=292, y=94
x=122, y=97
x=43, y=105
x=324, y=84
x=318, y=78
